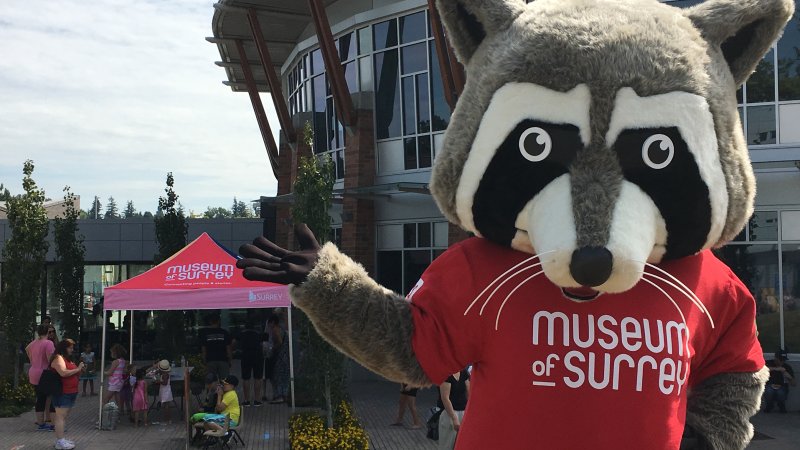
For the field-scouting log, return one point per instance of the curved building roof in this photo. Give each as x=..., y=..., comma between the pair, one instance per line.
x=283, y=23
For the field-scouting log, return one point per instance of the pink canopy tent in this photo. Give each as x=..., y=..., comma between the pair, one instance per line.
x=202, y=275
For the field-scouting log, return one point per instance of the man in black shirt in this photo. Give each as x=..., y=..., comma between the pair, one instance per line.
x=217, y=349
x=781, y=375
x=250, y=342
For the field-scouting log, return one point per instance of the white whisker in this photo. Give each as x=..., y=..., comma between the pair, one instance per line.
x=679, y=282
x=502, y=305
x=696, y=301
x=683, y=318
x=509, y=278
x=503, y=275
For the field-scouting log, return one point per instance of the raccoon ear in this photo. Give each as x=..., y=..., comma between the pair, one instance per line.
x=743, y=29
x=469, y=22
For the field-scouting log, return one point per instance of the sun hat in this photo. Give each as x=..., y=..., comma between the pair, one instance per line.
x=163, y=365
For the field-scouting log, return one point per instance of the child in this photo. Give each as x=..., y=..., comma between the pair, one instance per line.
x=87, y=358
x=126, y=392
x=116, y=373
x=139, y=383
x=165, y=389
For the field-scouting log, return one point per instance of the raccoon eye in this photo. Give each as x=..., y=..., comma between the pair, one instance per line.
x=535, y=144
x=658, y=156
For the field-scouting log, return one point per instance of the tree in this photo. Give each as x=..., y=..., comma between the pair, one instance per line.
x=68, y=270
x=217, y=213
x=4, y=193
x=323, y=365
x=130, y=211
x=95, y=211
x=112, y=211
x=24, y=265
x=171, y=231
x=240, y=209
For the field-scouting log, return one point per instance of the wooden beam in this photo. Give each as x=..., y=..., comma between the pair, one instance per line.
x=258, y=108
x=333, y=66
x=272, y=78
x=443, y=55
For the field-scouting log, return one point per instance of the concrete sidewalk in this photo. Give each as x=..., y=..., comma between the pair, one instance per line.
x=264, y=428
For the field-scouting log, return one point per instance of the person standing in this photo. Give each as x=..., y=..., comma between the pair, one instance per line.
x=217, y=348
x=280, y=369
x=408, y=399
x=69, y=372
x=781, y=375
x=252, y=362
x=88, y=375
x=39, y=352
x=453, y=395
x=116, y=373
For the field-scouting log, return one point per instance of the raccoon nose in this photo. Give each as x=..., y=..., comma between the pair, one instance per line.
x=591, y=266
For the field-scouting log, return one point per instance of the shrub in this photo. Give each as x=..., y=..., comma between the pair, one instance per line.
x=15, y=401
x=307, y=431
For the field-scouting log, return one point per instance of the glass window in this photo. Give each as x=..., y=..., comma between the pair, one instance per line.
x=414, y=263
x=412, y=27
x=410, y=153
x=409, y=108
x=761, y=125
x=387, y=95
x=347, y=47
x=439, y=106
x=320, y=103
x=409, y=235
x=317, y=64
x=739, y=94
x=390, y=270
x=424, y=234
x=364, y=41
x=414, y=58
x=789, y=61
x=424, y=145
x=385, y=34
x=791, y=298
x=757, y=267
x=340, y=164
x=365, y=68
x=761, y=85
x=764, y=226
x=350, y=77
x=330, y=116
x=423, y=104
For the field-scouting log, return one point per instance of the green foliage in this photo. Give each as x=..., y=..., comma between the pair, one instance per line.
x=68, y=273
x=217, y=213
x=95, y=212
x=15, y=400
x=241, y=209
x=112, y=210
x=4, y=193
x=24, y=255
x=307, y=431
x=130, y=211
x=323, y=374
x=313, y=190
x=171, y=231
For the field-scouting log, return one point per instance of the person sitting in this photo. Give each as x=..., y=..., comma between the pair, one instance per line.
x=208, y=406
x=227, y=404
x=781, y=375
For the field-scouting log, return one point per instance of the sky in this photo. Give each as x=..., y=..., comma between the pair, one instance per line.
x=107, y=96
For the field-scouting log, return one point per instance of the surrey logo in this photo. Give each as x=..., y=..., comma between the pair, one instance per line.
x=254, y=297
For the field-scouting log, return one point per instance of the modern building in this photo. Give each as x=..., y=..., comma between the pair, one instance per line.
x=375, y=82
x=53, y=208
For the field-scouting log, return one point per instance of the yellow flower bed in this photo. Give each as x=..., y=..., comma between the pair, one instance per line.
x=307, y=431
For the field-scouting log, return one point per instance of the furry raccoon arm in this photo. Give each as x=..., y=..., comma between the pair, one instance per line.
x=719, y=409
x=362, y=319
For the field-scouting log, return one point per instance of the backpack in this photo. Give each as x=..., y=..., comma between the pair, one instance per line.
x=110, y=416
x=50, y=382
x=433, y=425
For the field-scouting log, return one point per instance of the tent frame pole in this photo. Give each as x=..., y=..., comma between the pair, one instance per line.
x=130, y=347
x=102, y=373
x=291, y=356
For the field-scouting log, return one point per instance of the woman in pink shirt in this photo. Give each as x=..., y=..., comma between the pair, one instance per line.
x=39, y=352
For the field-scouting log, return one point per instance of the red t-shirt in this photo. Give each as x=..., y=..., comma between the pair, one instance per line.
x=557, y=374
x=69, y=385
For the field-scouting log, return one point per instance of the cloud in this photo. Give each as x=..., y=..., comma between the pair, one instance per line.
x=108, y=96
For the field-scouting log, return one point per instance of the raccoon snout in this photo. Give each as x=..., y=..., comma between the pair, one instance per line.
x=591, y=266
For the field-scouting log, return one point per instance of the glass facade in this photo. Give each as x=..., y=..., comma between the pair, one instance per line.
x=405, y=250
x=766, y=257
x=396, y=60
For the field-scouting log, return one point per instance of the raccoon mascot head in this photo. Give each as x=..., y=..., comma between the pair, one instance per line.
x=602, y=134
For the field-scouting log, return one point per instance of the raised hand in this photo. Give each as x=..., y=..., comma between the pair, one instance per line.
x=266, y=261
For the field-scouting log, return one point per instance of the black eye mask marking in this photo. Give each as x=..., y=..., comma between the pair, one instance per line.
x=660, y=163
x=534, y=154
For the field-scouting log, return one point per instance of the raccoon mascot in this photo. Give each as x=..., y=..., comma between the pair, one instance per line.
x=597, y=155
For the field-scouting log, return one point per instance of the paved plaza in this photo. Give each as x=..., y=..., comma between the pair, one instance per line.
x=264, y=428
